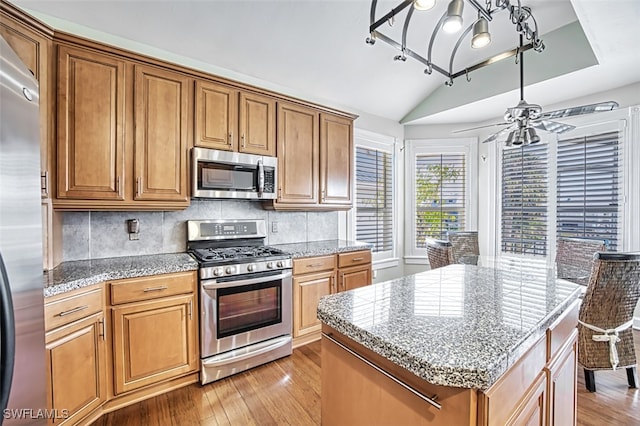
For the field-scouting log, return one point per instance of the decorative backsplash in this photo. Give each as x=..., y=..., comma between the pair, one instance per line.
x=95, y=235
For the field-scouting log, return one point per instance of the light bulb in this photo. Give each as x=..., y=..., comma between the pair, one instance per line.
x=453, y=21
x=424, y=4
x=481, y=36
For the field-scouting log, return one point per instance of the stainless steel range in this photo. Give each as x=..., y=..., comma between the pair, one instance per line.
x=245, y=296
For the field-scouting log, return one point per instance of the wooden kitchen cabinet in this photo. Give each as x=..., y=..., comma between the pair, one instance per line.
x=91, y=120
x=355, y=270
x=233, y=120
x=76, y=353
x=315, y=159
x=562, y=378
x=154, y=335
x=161, y=135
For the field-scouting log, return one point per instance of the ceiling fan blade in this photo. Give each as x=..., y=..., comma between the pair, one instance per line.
x=552, y=126
x=497, y=134
x=480, y=127
x=580, y=110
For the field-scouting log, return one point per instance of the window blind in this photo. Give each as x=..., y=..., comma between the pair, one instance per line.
x=590, y=187
x=524, y=199
x=374, y=198
x=440, y=195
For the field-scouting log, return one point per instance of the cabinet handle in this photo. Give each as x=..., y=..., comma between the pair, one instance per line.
x=230, y=138
x=118, y=186
x=322, y=195
x=429, y=399
x=357, y=259
x=279, y=192
x=159, y=288
x=44, y=184
x=104, y=330
x=341, y=283
x=333, y=284
x=138, y=186
x=72, y=311
x=190, y=309
x=243, y=141
x=314, y=265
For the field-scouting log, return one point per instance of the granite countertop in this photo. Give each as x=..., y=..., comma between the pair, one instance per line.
x=72, y=275
x=319, y=248
x=461, y=325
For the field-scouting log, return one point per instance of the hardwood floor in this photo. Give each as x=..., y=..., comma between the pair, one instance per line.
x=287, y=391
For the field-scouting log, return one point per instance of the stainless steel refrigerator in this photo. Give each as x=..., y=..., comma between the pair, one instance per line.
x=22, y=353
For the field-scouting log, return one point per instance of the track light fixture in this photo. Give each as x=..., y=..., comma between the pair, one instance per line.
x=451, y=21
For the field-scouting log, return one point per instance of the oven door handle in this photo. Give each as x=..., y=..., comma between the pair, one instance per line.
x=214, y=285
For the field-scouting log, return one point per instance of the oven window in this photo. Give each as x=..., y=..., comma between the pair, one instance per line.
x=224, y=176
x=246, y=308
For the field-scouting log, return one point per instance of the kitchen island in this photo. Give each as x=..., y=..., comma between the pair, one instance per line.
x=460, y=345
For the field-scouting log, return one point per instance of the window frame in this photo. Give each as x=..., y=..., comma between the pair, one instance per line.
x=466, y=146
x=378, y=142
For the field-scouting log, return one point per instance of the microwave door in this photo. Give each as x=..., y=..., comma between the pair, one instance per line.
x=223, y=177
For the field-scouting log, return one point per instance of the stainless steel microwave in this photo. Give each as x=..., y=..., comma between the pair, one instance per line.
x=224, y=174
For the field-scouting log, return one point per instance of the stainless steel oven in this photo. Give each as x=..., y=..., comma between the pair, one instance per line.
x=224, y=174
x=245, y=297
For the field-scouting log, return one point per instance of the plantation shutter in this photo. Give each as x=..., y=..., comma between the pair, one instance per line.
x=440, y=195
x=374, y=198
x=589, y=187
x=524, y=199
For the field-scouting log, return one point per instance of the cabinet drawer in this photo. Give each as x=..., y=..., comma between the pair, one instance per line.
x=314, y=264
x=354, y=258
x=69, y=309
x=146, y=288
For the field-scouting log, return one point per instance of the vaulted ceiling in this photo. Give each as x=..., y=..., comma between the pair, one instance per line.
x=315, y=49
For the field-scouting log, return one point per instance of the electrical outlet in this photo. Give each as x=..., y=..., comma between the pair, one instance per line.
x=375, y=274
x=133, y=229
x=274, y=227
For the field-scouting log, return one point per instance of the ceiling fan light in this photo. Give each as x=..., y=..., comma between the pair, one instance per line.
x=481, y=36
x=530, y=136
x=510, y=138
x=519, y=138
x=424, y=4
x=453, y=21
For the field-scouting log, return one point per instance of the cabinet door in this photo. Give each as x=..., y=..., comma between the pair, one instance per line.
x=298, y=155
x=153, y=341
x=34, y=50
x=216, y=121
x=257, y=124
x=336, y=160
x=531, y=411
x=562, y=375
x=354, y=277
x=161, y=135
x=76, y=363
x=91, y=98
x=307, y=291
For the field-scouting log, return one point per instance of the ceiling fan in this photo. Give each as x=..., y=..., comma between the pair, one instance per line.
x=523, y=119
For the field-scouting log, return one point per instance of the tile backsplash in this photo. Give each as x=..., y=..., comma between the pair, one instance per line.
x=94, y=235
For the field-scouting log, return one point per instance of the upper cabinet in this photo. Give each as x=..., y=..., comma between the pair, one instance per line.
x=161, y=135
x=123, y=132
x=315, y=159
x=233, y=120
x=32, y=43
x=91, y=107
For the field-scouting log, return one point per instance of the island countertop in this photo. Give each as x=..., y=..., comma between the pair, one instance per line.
x=460, y=326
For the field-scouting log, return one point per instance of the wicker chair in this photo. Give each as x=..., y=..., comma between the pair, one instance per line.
x=464, y=244
x=439, y=253
x=606, y=312
x=574, y=258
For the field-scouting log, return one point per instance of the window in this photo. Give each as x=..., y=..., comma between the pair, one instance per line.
x=372, y=219
x=374, y=198
x=590, y=187
x=439, y=195
x=524, y=199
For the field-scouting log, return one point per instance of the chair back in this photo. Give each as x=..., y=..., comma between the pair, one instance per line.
x=574, y=258
x=609, y=302
x=463, y=243
x=439, y=253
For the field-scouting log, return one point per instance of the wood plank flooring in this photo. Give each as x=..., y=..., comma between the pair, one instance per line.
x=287, y=391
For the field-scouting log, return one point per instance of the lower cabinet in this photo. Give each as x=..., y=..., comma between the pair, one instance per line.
x=562, y=377
x=153, y=341
x=76, y=356
x=314, y=277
